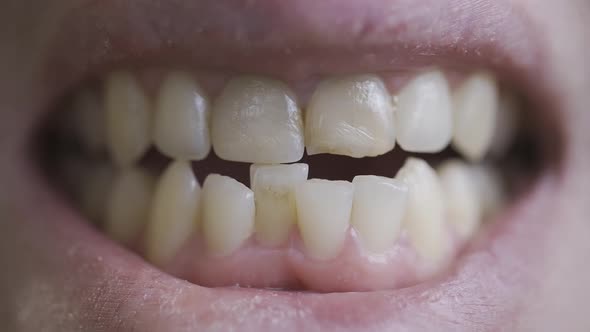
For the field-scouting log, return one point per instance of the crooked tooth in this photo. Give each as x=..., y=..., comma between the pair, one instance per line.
x=128, y=119
x=174, y=213
x=274, y=194
x=227, y=214
x=89, y=120
x=257, y=120
x=181, y=120
x=424, y=119
x=461, y=197
x=425, y=214
x=128, y=205
x=377, y=210
x=323, y=210
x=350, y=116
x=475, y=107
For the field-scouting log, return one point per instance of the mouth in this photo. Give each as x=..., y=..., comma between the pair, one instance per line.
x=308, y=161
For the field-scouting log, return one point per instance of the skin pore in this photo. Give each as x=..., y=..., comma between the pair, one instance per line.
x=60, y=278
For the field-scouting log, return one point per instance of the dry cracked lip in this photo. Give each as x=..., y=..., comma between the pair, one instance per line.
x=470, y=270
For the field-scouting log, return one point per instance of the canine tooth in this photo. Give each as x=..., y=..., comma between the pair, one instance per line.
x=425, y=213
x=461, y=197
x=378, y=207
x=350, y=116
x=274, y=194
x=128, y=119
x=181, y=121
x=323, y=210
x=227, y=214
x=128, y=205
x=90, y=124
x=174, y=213
x=424, y=119
x=475, y=109
x=257, y=120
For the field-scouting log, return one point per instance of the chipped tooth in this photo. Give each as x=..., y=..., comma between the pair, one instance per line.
x=424, y=119
x=378, y=207
x=490, y=190
x=461, y=197
x=475, y=107
x=174, y=213
x=323, y=210
x=227, y=214
x=274, y=194
x=257, y=120
x=425, y=213
x=128, y=119
x=89, y=122
x=128, y=205
x=181, y=120
x=350, y=116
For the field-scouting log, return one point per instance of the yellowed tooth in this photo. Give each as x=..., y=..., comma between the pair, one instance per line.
x=128, y=119
x=323, y=210
x=129, y=204
x=257, y=120
x=174, y=213
x=350, y=116
x=181, y=125
x=227, y=214
x=274, y=193
x=378, y=208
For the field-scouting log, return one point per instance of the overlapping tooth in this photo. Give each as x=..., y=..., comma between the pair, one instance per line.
x=181, y=120
x=129, y=204
x=89, y=120
x=350, y=116
x=174, y=212
x=128, y=119
x=425, y=214
x=257, y=120
x=424, y=119
x=274, y=193
x=475, y=105
x=461, y=197
x=323, y=210
x=378, y=208
x=227, y=214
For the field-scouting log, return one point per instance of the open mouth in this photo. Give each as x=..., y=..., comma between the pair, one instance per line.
x=352, y=171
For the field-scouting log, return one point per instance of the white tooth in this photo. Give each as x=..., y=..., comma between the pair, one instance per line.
x=425, y=214
x=257, y=120
x=475, y=109
x=128, y=119
x=90, y=123
x=274, y=193
x=128, y=205
x=461, y=197
x=490, y=190
x=95, y=192
x=506, y=124
x=350, y=116
x=174, y=213
x=227, y=214
x=323, y=210
x=424, y=118
x=377, y=210
x=181, y=121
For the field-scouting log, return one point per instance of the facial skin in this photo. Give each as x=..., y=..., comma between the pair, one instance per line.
x=52, y=280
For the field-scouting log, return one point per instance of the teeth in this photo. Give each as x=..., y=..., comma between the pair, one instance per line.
x=461, y=197
x=424, y=219
x=274, y=193
x=181, y=125
x=128, y=119
x=257, y=120
x=506, y=124
x=490, y=190
x=96, y=186
x=227, y=214
x=424, y=114
x=323, y=209
x=90, y=124
x=476, y=106
x=128, y=205
x=377, y=210
x=174, y=212
x=350, y=116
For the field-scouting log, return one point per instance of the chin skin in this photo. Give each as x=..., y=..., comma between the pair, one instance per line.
x=51, y=282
